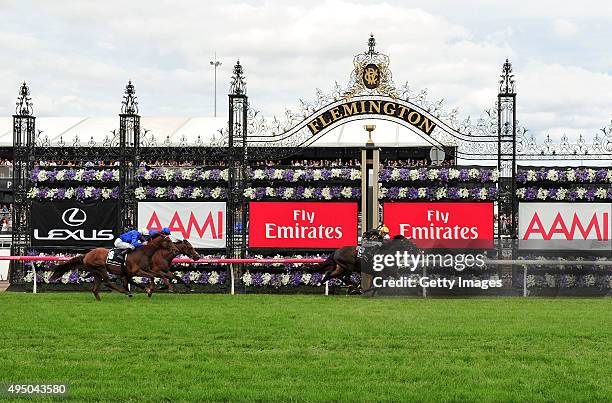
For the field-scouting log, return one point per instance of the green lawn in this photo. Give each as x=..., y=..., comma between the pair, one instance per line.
x=314, y=348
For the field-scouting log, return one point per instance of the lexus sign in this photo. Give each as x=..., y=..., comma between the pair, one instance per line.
x=74, y=224
x=202, y=223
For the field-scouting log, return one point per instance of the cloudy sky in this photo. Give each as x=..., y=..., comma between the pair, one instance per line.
x=78, y=55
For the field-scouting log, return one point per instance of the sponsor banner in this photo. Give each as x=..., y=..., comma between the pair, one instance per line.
x=74, y=224
x=567, y=226
x=202, y=223
x=302, y=224
x=442, y=225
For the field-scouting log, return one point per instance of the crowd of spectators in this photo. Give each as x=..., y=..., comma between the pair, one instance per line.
x=5, y=162
x=6, y=212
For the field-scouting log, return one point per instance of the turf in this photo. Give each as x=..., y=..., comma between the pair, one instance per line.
x=308, y=348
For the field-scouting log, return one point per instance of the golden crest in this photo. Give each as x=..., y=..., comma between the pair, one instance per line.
x=371, y=76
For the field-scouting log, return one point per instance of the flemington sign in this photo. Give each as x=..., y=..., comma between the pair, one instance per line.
x=371, y=107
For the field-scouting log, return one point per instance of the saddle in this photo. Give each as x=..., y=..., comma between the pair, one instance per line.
x=116, y=257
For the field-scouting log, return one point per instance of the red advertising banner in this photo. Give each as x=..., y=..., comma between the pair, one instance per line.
x=442, y=225
x=302, y=224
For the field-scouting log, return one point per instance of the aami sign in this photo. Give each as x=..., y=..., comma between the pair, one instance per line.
x=578, y=226
x=202, y=223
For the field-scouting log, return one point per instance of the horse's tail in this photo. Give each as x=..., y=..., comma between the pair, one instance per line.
x=63, y=268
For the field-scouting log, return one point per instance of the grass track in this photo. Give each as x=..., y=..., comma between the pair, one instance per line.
x=314, y=348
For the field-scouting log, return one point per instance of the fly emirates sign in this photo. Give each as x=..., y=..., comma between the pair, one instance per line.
x=442, y=225
x=566, y=226
x=302, y=224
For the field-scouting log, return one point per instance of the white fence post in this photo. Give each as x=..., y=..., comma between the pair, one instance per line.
x=327, y=288
x=34, y=285
x=232, y=288
x=525, y=281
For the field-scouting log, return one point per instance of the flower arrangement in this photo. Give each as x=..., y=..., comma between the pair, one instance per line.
x=289, y=279
x=575, y=175
x=481, y=175
x=565, y=194
x=78, y=193
x=567, y=280
x=178, y=192
x=182, y=174
x=75, y=277
x=77, y=175
x=439, y=193
x=305, y=174
x=301, y=192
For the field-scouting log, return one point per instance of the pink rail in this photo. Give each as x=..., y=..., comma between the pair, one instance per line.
x=178, y=260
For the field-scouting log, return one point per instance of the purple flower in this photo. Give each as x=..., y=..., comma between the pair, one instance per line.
x=530, y=193
x=115, y=193
x=572, y=195
x=325, y=173
x=257, y=278
x=308, y=175
x=96, y=193
x=296, y=278
x=385, y=175
x=422, y=174
x=150, y=191
x=269, y=173
x=492, y=192
x=582, y=175
x=288, y=175
x=393, y=193
x=521, y=176
x=88, y=175
x=70, y=174
x=61, y=193
x=316, y=278
x=485, y=175
x=318, y=193
x=590, y=195
x=443, y=174
x=413, y=193
x=80, y=193
x=453, y=193
x=204, y=276
x=215, y=174
x=602, y=175
x=260, y=193
x=107, y=176
x=52, y=175
x=356, y=193
x=34, y=174
x=463, y=175
x=335, y=192
x=222, y=276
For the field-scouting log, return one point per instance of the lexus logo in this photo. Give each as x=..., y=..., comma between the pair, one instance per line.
x=74, y=217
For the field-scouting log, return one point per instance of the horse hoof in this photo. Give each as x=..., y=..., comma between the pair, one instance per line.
x=130, y=295
x=192, y=290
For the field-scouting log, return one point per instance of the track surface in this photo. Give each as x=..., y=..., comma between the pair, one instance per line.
x=275, y=347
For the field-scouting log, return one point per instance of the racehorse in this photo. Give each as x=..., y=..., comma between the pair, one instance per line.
x=347, y=260
x=137, y=263
x=162, y=261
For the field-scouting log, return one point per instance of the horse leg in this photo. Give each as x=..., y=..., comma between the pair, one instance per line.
x=96, y=286
x=333, y=273
x=110, y=284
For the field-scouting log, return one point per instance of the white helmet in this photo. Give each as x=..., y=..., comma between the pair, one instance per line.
x=143, y=231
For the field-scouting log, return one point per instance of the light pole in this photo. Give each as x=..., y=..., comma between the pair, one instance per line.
x=215, y=64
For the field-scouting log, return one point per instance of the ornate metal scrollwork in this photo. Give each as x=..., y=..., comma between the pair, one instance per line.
x=24, y=102
x=129, y=105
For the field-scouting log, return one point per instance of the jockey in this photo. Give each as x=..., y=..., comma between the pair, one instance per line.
x=129, y=241
x=153, y=233
x=383, y=231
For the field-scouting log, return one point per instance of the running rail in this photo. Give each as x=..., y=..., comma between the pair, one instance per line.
x=177, y=260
